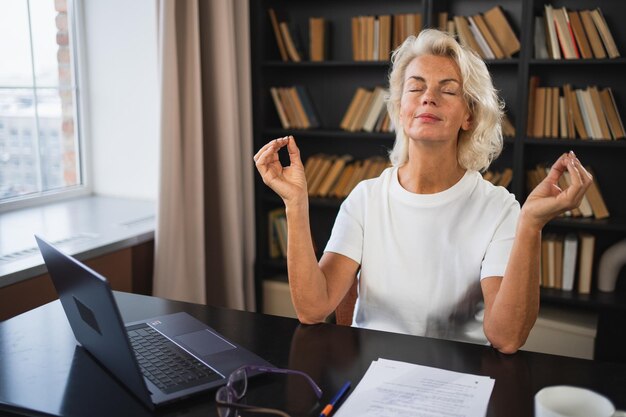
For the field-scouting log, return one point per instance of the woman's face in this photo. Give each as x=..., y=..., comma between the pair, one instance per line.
x=432, y=107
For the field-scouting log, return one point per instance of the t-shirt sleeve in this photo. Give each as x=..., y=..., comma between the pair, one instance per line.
x=346, y=237
x=499, y=249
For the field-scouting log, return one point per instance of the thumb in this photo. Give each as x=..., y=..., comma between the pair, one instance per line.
x=294, y=152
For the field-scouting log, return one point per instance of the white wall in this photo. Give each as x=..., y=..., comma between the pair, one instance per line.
x=122, y=96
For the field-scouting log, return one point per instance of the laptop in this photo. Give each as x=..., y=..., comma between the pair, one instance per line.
x=160, y=359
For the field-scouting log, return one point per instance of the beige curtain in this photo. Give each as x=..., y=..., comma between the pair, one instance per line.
x=205, y=231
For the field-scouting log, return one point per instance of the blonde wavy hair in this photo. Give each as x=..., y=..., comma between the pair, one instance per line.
x=482, y=143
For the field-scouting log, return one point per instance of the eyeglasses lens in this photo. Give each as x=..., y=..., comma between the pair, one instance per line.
x=225, y=395
x=238, y=382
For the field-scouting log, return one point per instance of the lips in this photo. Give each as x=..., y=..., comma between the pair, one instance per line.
x=428, y=117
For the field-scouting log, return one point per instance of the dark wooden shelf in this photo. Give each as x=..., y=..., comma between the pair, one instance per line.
x=606, y=61
x=605, y=225
x=324, y=64
x=270, y=197
x=327, y=133
x=595, y=301
x=621, y=143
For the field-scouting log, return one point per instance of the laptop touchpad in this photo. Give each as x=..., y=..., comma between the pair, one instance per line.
x=204, y=342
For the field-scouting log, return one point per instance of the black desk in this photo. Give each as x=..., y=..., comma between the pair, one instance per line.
x=43, y=372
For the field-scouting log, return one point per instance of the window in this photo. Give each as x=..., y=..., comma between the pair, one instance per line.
x=38, y=101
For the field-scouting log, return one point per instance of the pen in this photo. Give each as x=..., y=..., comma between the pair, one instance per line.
x=331, y=405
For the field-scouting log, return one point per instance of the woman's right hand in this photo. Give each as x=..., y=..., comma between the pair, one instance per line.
x=288, y=182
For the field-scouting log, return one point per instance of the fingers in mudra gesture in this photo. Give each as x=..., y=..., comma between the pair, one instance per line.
x=288, y=182
x=548, y=200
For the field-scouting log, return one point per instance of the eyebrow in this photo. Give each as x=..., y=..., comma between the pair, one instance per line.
x=444, y=81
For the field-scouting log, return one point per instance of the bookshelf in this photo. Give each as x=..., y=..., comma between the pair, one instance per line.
x=331, y=85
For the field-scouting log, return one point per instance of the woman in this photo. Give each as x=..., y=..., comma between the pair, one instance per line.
x=429, y=235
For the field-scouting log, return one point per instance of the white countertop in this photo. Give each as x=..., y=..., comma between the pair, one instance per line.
x=83, y=227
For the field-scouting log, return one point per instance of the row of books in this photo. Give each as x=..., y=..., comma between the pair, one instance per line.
x=567, y=261
x=374, y=37
x=489, y=34
x=294, y=107
x=571, y=34
x=335, y=176
x=367, y=112
x=564, y=112
x=499, y=178
x=592, y=204
x=287, y=44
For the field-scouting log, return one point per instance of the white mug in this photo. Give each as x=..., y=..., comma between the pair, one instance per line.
x=568, y=401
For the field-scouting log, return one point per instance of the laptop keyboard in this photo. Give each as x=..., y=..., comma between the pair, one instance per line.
x=164, y=363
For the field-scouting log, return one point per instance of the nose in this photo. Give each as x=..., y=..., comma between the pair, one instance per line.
x=429, y=97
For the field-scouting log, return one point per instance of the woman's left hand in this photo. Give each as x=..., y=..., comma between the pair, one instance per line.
x=548, y=200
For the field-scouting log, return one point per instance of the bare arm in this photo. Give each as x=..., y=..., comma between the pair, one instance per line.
x=316, y=289
x=512, y=301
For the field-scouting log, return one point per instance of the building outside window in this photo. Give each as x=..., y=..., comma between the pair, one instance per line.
x=39, y=143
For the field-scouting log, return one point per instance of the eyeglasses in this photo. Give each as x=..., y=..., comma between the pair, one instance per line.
x=228, y=395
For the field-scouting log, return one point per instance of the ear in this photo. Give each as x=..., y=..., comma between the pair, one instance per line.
x=468, y=121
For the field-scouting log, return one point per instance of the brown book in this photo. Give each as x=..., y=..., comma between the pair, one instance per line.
x=596, y=201
x=585, y=265
x=333, y=175
x=558, y=262
x=384, y=37
x=343, y=179
x=288, y=106
x=545, y=252
x=505, y=179
x=279, y=38
x=289, y=44
x=320, y=174
x=612, y=115
x=600, y=115
x=361, y=112
x=532, y=98
x=370, y=38
x=554, y=130
x=502, y=31
x=466, y=36
x=562, y=118
x=310, y=166
x=355, y=179
x=569, y=113
x=575, y=109
x=442, y=21
x=273, y=240
x=580, y=35
x=317, y=40
x=589, y=113
x=592, y=34
x=284, y=121
x=552, y=41
x=565, y=38
x=605, y=33
x=539, y=112
x=303, y=119
x=547, y=122
x=356, y=38
x=491, y=41
x=352, y=108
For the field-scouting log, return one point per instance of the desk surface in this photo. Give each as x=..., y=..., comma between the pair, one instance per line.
x=43, y=372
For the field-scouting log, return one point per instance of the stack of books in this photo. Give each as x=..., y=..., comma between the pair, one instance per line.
x=374, y=37
x=335, y=176
x=565, y=258
x=571, y=34
x=500, y=178
x=592, y=204
x=488, y=34
x=367, y=112
x=564, y=112
x=294, y=107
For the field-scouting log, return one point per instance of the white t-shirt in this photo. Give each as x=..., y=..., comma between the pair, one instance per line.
x=422, y=255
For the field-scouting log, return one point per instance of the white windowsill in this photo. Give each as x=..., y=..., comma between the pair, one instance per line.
x=84, y=227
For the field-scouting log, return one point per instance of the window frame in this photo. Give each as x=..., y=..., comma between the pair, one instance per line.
x=78, y=62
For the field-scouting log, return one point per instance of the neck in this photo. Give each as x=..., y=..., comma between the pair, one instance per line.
x=430, y=169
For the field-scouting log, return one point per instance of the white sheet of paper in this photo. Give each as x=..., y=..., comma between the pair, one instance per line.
x=392, y=388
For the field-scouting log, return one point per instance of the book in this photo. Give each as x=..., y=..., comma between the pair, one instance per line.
x=384, y=39
x=488, y=36
x=279, y=37
x=275, y=250
x=348, y=117
x=568, y=48
x=290, y=45
x=502, y=31
x=554, y=128
x=317, y=39
x=532, y=99
x=547, y=121
x=570, y=253
x=551, y=37
x=574, y=109
x=284, y=121
x=465, y=35
x=301, y=114
x=592, y=34
x=539, y=112
x=594, y=94
x=377, y=105
x=605, y=33
x=580, y=35
x=480, y=39
x=333, y=174
x=585, y=264
x=541, y=50
x=594, y=196
x=281, y=230
x=558, y=262
x=612, y=114
x=307, y=105
x=320, y=174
